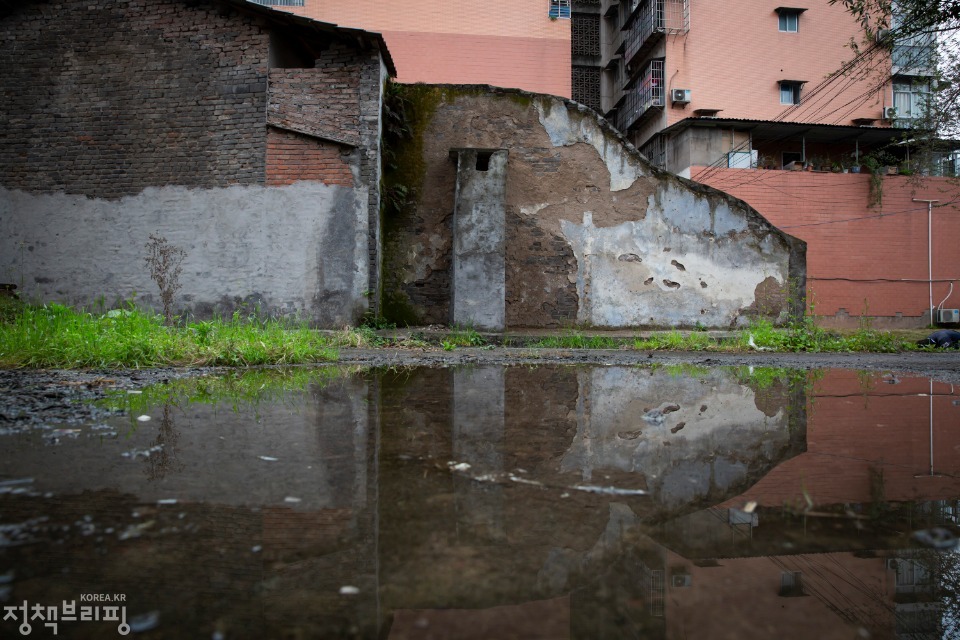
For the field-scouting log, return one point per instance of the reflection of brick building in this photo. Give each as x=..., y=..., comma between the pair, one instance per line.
x=867, y=441
x=524, y=45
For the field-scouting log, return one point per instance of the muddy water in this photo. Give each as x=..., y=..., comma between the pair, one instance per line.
x=491, y=502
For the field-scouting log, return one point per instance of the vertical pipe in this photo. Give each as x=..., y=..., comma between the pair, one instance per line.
x=929, y=251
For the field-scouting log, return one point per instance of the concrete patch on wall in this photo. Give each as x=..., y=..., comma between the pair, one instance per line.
x=691, y=260
x=293, y=250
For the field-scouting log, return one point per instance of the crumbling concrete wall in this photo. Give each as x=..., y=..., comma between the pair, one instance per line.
x=595, y=235
x=171, y=117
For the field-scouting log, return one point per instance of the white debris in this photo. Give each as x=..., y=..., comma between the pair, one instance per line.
x=268, y=458
x=143, y=418
x=348, y=590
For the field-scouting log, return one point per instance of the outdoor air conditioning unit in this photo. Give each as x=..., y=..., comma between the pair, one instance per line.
x=948, y=316
x=681, y=580
x=680, y=96
x=889, y=113
x=882, y=35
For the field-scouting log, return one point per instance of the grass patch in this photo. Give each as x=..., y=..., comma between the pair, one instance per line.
x=807, y=336
x=462, y=337
x=674, y=340
x=576, y=340
x=54, y=335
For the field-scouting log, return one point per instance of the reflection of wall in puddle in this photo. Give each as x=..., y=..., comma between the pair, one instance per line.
x=478, y=419
x=690, y=436
x=317, y=439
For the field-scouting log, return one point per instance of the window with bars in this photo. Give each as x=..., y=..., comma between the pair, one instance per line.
x=560, y=9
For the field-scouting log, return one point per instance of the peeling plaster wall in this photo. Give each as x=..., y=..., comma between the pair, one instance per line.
x=299, y=249
x=595, y=234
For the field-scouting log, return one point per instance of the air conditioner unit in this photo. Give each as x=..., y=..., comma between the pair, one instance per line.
x=948, y=316
x=680, y=96
x=889, y=113
x=882, y=35
x=681, y=580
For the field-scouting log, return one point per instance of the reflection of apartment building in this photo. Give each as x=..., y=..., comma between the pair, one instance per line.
x=523, y=45
x=734, y=94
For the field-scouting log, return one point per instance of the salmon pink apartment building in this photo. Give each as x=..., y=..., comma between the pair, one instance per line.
x=523, y=44
x=768, y=102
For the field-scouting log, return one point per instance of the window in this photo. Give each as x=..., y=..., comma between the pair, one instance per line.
x=789, y=22
x=790, y=91
x=560, y=9
x=789, y=19
x=910, y=97
x=791, y=584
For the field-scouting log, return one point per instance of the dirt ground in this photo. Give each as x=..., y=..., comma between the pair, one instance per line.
x=939, y=365
x=56, y=396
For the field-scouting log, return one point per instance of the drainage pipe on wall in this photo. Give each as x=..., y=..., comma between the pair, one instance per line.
x=929, y=251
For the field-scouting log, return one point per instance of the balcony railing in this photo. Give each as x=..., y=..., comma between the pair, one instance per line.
x=653, y=19
x=639, y=100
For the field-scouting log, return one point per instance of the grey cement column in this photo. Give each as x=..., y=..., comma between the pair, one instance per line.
x=478, y=287
x=478, y=425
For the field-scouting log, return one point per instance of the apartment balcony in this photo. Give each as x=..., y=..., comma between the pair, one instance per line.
x=643, y=100
x=650, y=22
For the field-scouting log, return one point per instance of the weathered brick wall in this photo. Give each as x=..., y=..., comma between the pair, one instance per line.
x=292, y=157
x=322, y=102
x=594, y=234
x=107, y=97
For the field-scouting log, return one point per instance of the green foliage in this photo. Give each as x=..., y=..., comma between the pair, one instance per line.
x=576, y=340
x=54, y=335
x=464, y=337
x=805, y=335
x=676, y=341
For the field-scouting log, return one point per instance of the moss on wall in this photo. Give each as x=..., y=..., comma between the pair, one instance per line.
x=407, y=111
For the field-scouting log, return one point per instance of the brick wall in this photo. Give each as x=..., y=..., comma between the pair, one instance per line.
x=323, y=102
x=861, y=260
x=105, y=98
x=292, y=157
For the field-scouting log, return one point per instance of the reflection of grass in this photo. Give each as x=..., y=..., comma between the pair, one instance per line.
x=765, y=377
x=238, y=389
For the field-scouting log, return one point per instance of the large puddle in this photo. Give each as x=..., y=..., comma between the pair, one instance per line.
x=492, y=502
